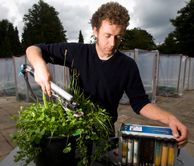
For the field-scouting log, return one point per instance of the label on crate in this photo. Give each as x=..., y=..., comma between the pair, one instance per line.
x=146, y=130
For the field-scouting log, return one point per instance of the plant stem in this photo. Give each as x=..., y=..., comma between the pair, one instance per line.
x=44, y=100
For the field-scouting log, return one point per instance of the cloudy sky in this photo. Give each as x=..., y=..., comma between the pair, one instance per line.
x=150, y=15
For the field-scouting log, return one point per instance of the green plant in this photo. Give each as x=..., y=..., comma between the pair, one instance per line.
x=50, y=119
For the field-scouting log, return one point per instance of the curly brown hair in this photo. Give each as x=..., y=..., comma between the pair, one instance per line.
x=113, y=12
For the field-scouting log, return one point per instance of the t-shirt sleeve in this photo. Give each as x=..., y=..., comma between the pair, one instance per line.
x=135, y=89
x=58, y=53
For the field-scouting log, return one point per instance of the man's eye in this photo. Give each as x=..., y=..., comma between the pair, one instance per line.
x=107, y=36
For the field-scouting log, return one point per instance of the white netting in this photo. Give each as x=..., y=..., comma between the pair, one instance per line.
x=21, y=89
x=171, y=75
x=60, y=77
x=168, y=74
x=7, y=77
x=189, y=74
x=147, y=64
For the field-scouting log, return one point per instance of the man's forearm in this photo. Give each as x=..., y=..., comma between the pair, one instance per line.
x=34, y=56
x=153, y=112
x=179, y=130
x=41, y=71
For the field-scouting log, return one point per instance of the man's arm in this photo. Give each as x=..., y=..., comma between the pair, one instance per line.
x=41, y=71
x=180, y=131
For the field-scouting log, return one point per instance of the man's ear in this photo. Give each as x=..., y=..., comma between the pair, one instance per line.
x=95, y=32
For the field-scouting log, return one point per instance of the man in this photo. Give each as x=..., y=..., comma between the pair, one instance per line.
x=104, y=72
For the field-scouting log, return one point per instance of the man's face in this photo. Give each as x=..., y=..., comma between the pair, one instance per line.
x=108, y=38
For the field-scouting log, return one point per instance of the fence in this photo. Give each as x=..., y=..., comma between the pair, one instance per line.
x=7, y=77
x=161, y=74
x=188, y=81
x=60, y=76
x=164, y=74
x=171, y=75
x=148, y=64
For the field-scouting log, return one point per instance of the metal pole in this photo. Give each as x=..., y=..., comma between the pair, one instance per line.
x=185, y=68
x=16, y=84
x=179, y=75
x=155, y=76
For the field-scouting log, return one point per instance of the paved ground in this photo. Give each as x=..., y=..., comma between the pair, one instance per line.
x=182, y=107
x=8, y=107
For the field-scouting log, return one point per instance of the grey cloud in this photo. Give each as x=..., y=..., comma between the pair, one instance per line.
x=151, y=15
x=16, y=17
x=4, y=12
x=74, y=18
x=160, y=33
x=154, y=16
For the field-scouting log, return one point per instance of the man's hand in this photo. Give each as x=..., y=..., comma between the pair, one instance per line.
x=179, y=130
x=43, y=77
x=41, y=72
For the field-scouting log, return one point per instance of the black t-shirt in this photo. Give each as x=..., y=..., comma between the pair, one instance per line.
x=103, y=80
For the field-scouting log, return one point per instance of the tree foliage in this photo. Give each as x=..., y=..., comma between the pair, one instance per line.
x=170, y=45
x=184, y=28
x=9, y=40
x=42, y=25
x=81, y=38
x=137, y=38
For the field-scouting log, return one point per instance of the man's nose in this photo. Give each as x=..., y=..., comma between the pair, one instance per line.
x=113, y=41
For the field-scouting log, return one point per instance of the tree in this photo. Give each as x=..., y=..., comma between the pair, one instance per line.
x=137, y=38
x=81, y=38
x=170, y=45
x=42, y=25
x=184, y=28
x=9, y=41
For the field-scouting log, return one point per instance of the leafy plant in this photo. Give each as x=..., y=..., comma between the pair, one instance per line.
x=50, y=119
